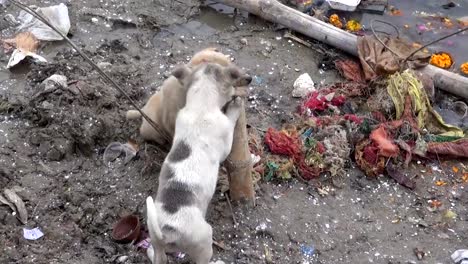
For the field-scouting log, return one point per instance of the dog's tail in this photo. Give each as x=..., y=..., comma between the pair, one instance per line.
x=152, y=220
x=133, y=114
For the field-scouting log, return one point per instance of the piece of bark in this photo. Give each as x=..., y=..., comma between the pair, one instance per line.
x=239, y=164
x=274, y=11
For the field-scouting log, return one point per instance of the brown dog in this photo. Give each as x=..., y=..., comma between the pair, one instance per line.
x=163, y=106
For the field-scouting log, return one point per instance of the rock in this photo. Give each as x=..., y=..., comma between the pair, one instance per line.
x=54, y=82
x=303, y=85
x=11, y=220
x=122, y=259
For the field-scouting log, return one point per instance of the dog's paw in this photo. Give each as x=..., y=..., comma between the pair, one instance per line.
x=236, y=101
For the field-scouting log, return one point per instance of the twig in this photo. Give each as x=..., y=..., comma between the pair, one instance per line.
x=221, y=246
x=378, y=39
x=288, y=35
x=102, y=73
x=232, y=211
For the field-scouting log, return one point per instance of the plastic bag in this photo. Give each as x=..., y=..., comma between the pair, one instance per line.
x=57, y=15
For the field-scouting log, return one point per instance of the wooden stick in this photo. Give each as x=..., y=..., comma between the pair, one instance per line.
x=238, y=164
x=276, y=12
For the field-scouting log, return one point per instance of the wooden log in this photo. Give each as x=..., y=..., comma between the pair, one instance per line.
x=276, y=12
x=239, y=166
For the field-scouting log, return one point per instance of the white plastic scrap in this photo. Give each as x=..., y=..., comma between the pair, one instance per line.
x=460, y=256
x=32, y=234
x=303, y=85
x=55, y=79
x=18, y=55
x=345, y=5
x=57, y=15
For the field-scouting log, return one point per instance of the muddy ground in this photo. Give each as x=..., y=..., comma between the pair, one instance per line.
x=52, y=145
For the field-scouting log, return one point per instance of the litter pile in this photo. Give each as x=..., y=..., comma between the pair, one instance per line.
x=31, y=31
x=383, y=125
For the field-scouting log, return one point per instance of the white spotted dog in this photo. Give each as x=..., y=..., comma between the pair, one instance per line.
x=202, y=140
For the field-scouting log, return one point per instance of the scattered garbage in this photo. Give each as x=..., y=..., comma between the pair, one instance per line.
x=307, y=250
x=26, y=45
x=145, y=243
x=127, y=229
x=16, y=204
x=303, y=85
x=344, y=5
x=54, y=82
x=32, y=234
x=460, y=256
x=115, y=149
x=420, y=254
x=57, y=15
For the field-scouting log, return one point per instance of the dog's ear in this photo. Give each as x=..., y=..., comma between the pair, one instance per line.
x=181, y=73
x=237, y=76
x=233, y=73
x=244, y=80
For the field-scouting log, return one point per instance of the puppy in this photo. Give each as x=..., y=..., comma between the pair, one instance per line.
x=163, y=106
x=202, y=140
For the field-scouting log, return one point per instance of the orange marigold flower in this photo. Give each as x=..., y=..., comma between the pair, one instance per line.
x=441, y=60
x=335, y=21
x=464, y=68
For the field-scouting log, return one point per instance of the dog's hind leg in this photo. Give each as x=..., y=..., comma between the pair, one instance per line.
x=202, y=250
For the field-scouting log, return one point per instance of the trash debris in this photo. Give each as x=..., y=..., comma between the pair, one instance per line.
x=127, y=229
x=145, y=243
x=307, y=251
x=54, y=82
x=373, y=6
x=57, y=15
x=26, y=45
x=377, y=60
x=344, y=5
x=460, y=256
x=32, y=234
x=386, y=147
x=303, y=85
x=449, y=5
x=395, y=173
x=454, y=113
x=122, y=259
x=16, y=204
x=116, y=149
x=304, y=5
x=419, y=253
x=24, y=41
x=407, y=84
x=457, y=148
x=351, y=70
